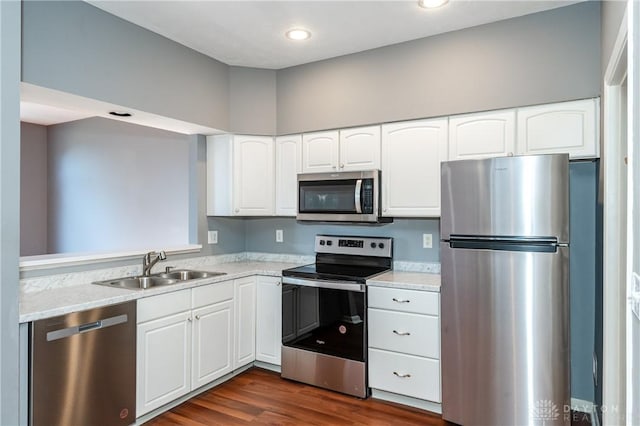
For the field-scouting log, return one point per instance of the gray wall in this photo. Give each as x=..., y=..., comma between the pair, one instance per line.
x=116, y=186
x=33, y=189
x=252, y=102
x=299, y=237
x=582, y=272
x=77, y=48
x=9, y=208
x=545, y=57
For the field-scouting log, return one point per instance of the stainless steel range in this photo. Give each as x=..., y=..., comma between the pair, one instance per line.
x=324, y=307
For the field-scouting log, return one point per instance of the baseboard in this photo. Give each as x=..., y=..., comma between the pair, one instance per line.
x=407, y=400
x=588, y=407
x=267, y=366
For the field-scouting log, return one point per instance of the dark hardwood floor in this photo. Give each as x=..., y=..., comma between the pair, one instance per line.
x=261, y=397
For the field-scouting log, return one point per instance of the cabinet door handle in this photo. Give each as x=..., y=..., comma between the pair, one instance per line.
x=402, y=333
x=198, y=317
x=401, y=300
x=320, y=342
x=237, y=210
x=402, y=376
x=190, y=319
x=342, y=166
x=279, y=283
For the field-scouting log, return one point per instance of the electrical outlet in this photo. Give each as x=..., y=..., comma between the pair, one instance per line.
x=279, y=236
x=427, y=241
x=213, y=237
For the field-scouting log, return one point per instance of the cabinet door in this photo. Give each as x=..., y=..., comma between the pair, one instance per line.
x=213, y=333
x=245, y=324
x=482, y=135
x=320, y=152
x=253, y=176
x=411, y=156
x=268, y=319
x=567, y=127
x=360, y=148
x=163, y=361
x=288, y=165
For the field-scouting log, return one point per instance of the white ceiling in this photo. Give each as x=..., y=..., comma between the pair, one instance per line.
x=251, y=33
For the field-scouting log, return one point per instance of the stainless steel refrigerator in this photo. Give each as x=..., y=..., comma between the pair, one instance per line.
x=505, y=291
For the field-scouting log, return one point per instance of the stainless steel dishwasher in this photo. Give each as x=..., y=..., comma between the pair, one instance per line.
x=83, y=368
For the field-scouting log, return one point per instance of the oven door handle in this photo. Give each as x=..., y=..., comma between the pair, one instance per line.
x=336, y=285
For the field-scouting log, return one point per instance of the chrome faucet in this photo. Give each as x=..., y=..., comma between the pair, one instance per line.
x=147, y=262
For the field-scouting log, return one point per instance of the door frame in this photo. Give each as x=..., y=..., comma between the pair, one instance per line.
x=614, y=278
x=633, y=216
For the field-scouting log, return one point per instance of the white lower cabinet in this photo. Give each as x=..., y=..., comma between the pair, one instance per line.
x=404, y=342
x=184, y=341
x=245, y=321
x=268, y=319
x=213, y=333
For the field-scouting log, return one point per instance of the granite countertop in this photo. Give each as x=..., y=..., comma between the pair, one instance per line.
x=54, y=295
x=59, y=301
x=408, y=280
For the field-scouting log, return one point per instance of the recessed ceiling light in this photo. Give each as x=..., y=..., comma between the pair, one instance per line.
x=432, y=4
x=120, y=114
x=297, y=34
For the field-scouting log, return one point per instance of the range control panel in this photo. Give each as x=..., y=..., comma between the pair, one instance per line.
x=360, y=246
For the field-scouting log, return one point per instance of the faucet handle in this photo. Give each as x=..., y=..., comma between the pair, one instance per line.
x=168, y=269
x=162, y=255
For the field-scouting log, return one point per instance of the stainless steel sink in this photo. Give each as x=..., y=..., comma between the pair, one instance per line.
x=186, y=274
x=155, y=280
x=137, y=282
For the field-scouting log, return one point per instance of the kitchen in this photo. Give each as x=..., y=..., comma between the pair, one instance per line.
x=524, y=82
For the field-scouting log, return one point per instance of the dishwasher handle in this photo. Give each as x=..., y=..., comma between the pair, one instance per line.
x=84, y=328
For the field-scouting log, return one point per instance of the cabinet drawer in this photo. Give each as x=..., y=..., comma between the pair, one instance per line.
x=404, y=332
x=419, y=302
x=163, y=305
x=211, y=294
x=405, y=374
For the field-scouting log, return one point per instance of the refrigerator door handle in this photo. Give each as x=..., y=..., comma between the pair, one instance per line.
x=506, y=245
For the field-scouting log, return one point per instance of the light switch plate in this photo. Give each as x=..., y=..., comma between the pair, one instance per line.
x=427, y=241
x=279, y=236
x=213, y=237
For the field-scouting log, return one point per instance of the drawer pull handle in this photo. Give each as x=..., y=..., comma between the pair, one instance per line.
x=402, y=376
x=401, y=300
x=403, y=333
x=320, y=342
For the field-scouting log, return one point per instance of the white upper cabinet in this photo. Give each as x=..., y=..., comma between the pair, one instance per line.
x=320, y=152
x=240, y=175
x=345, y=150
x=482, y=135
x=359, y=149
x=411, y=156
x=567, y=127
x=288, y=165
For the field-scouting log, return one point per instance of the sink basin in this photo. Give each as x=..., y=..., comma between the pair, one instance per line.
x=137, y=283
x=155, y=280
x=185, y=275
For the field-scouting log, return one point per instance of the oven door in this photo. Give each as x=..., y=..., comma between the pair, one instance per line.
x=346, y=197
x=325, y=317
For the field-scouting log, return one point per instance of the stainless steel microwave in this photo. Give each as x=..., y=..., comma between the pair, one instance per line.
x=340, y=197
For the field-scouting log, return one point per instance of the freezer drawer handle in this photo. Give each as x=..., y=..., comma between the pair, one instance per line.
x=403, y=333
x=401, y=300
x=84, y=328
x=402, y=376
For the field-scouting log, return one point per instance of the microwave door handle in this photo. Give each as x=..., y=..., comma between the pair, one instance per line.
x=358, y=198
